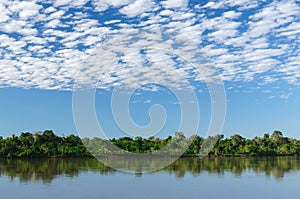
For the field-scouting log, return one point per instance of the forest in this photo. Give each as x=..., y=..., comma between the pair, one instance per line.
x=48, y=144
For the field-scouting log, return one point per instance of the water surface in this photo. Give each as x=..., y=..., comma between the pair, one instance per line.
x=275, y=177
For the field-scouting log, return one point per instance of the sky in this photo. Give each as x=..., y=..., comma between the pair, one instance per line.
x=146, y=67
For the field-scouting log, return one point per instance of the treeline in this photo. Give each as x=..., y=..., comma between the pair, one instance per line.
x=47, y=144
x=41, y=144
x=268, y=145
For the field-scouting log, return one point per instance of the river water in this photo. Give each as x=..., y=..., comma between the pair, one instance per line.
x=186, y=178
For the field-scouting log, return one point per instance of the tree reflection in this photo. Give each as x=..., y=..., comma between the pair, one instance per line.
x=46, y=170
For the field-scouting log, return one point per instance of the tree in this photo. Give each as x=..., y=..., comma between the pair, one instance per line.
x=237, y=140
x=179, y=136
x=276, y=135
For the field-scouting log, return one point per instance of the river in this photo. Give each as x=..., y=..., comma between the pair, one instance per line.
x=186, y=178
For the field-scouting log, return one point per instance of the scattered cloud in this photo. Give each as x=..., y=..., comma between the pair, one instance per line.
x=137, y=42
x=147, y=101
x=112, y=22
x=271, y=97
x=285, y=96
x=179, y=4
x=137, y=7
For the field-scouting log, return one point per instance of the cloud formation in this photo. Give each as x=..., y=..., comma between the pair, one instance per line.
x=47, y=44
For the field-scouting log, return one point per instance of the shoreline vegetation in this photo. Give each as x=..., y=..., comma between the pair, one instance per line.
x=48, y=145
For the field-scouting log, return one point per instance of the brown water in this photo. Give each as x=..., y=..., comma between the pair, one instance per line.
x=230, y=178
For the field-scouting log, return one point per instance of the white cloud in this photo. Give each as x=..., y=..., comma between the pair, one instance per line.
x=210, y=4
x=138, y=7
x=25, y=14
x=28, y=31
x=231, y=14
x=53, y=23
x=103, y=5
x=58, y=3
x=271, y=97
x=13, y=26
x=45, y=48
x=56, y=15
x=147, y=101
x=112, y=21
x=50, y=10
x=118, y=3
x=285, y=96
x=3, y=15
x=166, y=12
x=179, y=4
x=25, y=9
x=242, y=4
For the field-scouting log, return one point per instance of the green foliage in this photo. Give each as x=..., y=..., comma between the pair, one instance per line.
x=276, y=144
x=47, y=144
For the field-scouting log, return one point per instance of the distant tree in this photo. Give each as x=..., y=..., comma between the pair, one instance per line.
x=237, y=140
x=179, y=136
x=276, y=135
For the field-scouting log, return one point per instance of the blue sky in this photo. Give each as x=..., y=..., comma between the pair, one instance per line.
x=51, y=49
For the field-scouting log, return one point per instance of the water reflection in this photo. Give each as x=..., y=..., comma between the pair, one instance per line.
x=46, y=170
